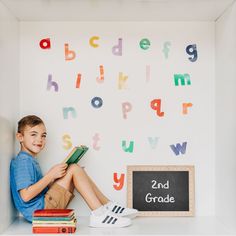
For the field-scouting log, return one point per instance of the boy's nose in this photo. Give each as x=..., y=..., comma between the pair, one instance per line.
x=39, y=139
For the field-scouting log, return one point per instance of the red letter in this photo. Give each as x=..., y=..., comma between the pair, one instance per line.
x=78, y=81
x=45, y=43
x=119, y=181
x=156, y=105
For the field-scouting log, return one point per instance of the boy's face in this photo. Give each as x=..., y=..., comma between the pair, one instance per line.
x=33, y=139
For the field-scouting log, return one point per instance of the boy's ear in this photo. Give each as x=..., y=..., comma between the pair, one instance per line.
x=19, y=137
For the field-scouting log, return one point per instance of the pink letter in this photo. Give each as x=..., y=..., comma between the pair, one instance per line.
x=147, y=73
x=126, y=107
x=95, y=142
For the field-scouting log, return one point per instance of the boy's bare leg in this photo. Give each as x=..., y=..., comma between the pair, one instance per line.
x=76, y=177
x=102, y=198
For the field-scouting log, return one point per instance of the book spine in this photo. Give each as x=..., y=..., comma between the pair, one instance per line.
x=53, y=230
x=50, y=214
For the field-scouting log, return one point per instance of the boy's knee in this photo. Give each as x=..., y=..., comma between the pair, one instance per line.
x=74, y=167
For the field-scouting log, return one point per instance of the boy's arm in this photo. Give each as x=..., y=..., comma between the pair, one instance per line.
x=33, y=190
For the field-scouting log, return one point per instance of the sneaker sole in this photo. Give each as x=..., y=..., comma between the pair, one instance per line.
x=132, y=216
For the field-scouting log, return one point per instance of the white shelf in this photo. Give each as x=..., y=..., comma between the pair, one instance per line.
x=144, y=226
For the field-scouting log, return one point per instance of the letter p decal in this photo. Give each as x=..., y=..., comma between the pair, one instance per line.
x=126, y=107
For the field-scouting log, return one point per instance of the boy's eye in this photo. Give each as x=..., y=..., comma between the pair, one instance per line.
x=33, y=134
x=44, y=136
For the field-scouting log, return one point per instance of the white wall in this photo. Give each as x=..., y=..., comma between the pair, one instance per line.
x=226, y=113
x=9, y=107
x=196, y=128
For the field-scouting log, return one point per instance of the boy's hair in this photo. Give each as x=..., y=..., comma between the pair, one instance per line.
x=30, y=120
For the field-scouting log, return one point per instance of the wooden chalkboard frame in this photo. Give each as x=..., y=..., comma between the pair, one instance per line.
x=190, y=169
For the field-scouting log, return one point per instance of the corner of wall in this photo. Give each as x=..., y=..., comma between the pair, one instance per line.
x=9, y=97
x=225, y=113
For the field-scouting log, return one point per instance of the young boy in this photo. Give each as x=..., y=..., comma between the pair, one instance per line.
x=31, y=190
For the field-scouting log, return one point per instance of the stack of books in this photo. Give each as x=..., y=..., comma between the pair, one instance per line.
x=54, y=221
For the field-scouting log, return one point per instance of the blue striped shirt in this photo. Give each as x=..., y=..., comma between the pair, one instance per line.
x=25, y=171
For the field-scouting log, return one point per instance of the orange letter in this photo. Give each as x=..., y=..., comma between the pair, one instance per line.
x=185, y=107
x=78, y=81
x=101, y=78
x=119, y=181
x=69, y=54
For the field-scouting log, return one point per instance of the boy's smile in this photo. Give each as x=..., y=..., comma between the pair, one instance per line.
x=33, y=139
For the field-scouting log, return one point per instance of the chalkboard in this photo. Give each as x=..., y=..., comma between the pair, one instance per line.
x=161, y=190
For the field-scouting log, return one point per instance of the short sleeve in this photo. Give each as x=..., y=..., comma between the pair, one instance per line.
x=24, y=174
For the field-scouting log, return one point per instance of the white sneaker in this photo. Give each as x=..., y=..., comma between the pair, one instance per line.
x=119, y=210
x=107, y=219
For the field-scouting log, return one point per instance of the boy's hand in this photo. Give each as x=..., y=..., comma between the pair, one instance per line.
x=57, y=171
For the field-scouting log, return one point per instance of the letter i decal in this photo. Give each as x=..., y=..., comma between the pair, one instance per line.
x=147, y=73
x=78, y=80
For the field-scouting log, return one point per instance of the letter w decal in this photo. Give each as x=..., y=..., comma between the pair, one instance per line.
x=178, y=148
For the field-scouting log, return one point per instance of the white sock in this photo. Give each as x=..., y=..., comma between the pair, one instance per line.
x=99, y=211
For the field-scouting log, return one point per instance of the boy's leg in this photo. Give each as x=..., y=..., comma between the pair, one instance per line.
x=102, y=198
x=76, y=177
x=112, y=206
x=100, y=216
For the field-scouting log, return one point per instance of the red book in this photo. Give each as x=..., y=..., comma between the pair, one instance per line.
x=54, y=230
x=53, y=212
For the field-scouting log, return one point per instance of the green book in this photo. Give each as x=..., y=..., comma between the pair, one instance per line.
x=53, y=218
x=75, y=155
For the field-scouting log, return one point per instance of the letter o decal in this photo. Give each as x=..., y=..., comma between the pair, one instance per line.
x=97, y=102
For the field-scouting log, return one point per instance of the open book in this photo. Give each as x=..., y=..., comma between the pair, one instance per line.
x=75, y=155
